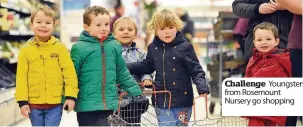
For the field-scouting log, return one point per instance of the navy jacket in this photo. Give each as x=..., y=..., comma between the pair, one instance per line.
x=175, y=64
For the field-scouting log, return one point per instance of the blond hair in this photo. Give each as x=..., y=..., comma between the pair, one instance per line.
x=96, y=10
x=267, y=26
x=46, y=10
x=164, y=18
x=125, y=19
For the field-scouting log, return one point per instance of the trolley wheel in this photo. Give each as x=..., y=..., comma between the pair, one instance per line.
x=212, y=107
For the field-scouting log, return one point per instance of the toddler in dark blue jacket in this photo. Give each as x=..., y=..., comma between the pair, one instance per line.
x=176, y=65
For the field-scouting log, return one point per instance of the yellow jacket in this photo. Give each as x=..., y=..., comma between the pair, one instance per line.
x=45, y=72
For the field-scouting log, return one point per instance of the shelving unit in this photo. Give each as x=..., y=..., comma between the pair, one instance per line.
x=223, y=61
x=24, y=11
x=14, y=31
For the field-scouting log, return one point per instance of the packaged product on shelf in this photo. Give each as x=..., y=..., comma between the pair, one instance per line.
x=3, y=20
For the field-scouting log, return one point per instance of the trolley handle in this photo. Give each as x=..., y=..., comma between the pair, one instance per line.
x=154, y=91
x=206, y=105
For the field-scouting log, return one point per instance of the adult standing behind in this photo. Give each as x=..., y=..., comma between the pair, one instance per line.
x=189, y=29
x=119, y=12
x=294, y=43
x=258, y=11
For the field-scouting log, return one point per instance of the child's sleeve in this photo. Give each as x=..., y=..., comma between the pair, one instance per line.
x=69, y=73
x=21, y=94
x=124, y=78
x=76, y=58
x=146, y=66
x=145, y=76
x=195, y=70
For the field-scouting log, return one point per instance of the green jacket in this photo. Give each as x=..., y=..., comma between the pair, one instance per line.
x=97, y=80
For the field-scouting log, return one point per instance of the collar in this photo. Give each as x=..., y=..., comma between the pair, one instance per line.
x=131, y=47
x=52, y=40
x=258, y=54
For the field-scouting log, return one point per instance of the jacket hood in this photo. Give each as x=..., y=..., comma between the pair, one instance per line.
x=86, y=37
x=178, y=40
x=51, y=41
x=279, y=55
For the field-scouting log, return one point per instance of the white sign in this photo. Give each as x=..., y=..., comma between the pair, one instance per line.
x=262, y=97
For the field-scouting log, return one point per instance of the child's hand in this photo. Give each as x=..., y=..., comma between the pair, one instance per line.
x=25, y=110
x=147, y=82
x=203, y=95
x=70, y=104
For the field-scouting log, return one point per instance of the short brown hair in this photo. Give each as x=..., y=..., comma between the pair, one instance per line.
x=96, y=10
x=45, y=9
x=268, y=26
x=125, y=19
x=164, y=18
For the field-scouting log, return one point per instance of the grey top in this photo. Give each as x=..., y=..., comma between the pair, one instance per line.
x=133, y=54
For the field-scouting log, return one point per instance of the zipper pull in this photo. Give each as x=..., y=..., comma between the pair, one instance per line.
x=102, y=38
x=102, y=47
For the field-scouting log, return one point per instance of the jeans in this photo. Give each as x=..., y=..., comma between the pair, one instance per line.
x=46, y=117
x=176, y=116
x=94, y=118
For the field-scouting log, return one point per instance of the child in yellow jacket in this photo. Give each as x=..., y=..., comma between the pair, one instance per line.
x=45, y=71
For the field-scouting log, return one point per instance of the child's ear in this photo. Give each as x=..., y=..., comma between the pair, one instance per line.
x=31, y=25
x=277, y=41
x=86, y=27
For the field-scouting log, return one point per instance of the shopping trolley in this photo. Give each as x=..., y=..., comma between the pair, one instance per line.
x=220, y=121
x=145, y=114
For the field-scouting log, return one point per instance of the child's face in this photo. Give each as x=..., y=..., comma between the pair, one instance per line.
x=264, y=40
x=42, y=25
x=167, y=34
x=99, y=25
x=125, y=32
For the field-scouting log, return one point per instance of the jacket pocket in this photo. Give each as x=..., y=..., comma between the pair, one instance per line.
x=57, y=87
x=53, y=66
x=34, y=60
x=33, y=88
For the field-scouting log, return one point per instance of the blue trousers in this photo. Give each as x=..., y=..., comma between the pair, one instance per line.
x=46, y=117
x=176, y=116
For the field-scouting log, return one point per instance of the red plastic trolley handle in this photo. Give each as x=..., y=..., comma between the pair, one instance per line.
x=194, y=105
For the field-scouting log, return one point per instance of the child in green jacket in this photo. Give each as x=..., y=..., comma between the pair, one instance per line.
x=99, y=65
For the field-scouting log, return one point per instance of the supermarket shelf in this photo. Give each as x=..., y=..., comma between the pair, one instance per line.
x=48, y=2
x=24, y=11
x=15, y=35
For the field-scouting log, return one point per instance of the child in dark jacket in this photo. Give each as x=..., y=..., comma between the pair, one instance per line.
x=258, y=11
x=125, y=31
x=175, y=62
x=267, y=61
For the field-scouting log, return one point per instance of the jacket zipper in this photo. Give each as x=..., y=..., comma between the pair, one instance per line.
x=164, y=74
x=44, y=77
x=103, y=75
